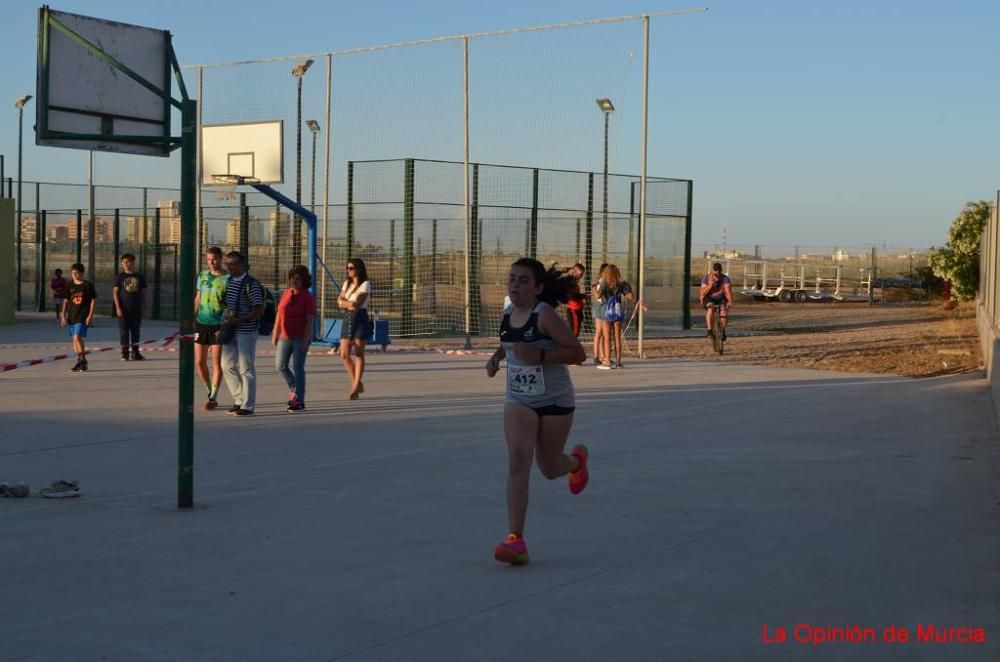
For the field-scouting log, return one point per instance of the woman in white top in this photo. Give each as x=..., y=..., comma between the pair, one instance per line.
x=356, y=329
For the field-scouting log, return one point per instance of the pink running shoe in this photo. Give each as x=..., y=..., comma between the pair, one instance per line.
x=578, y=479
x=512, y=550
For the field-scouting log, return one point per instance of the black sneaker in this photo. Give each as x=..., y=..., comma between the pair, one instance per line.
x=233, y=410
x=296, y=405
x=244, y=412
x=124, y=356
x=83, y=365
x=708, y=334
x=136, y=356
x=76, y=367
x=723, y=334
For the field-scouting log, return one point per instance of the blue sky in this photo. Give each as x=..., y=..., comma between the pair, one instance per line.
x=809, y=123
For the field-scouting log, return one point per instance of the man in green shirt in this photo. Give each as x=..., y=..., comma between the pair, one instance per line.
x=209, y=306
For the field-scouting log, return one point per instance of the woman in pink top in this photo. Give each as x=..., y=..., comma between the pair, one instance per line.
x=293, y=331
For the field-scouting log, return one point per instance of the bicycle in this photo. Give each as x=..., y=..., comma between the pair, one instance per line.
x=718, y=341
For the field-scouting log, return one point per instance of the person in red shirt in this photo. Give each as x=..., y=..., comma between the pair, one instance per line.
x=574, y=306
x=293, y=331
x=59, y=287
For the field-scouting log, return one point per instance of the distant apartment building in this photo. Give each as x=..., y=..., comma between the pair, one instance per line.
x=104, y=229
x=170, y=221
x=257, y=234
x=134, y=229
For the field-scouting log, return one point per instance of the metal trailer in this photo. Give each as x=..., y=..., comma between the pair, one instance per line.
x=787, y=282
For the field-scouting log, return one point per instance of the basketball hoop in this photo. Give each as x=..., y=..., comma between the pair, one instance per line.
x=225, y=192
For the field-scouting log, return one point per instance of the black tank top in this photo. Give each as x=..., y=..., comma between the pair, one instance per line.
x=527, y=333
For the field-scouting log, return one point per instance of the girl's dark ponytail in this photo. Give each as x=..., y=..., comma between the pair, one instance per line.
x=557, y=284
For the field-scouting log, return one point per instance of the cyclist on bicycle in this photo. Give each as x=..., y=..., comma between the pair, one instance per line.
x=716, y=289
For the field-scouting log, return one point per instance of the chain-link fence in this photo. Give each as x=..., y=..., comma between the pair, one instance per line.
x=406, y=219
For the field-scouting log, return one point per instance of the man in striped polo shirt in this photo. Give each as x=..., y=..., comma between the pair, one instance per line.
x=244, y=306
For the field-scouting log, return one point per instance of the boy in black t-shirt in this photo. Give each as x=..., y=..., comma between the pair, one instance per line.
x=129, y=297
x=78, y=313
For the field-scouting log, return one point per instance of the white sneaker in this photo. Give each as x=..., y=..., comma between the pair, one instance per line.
x=604, y=366
x=61, y=489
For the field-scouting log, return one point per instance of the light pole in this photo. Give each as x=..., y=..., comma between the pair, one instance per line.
x=314, y=127
x=298, y=72
x=92, y=223
x=20, y=104
x=607, y=108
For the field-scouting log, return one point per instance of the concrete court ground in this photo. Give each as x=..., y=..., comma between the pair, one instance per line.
x=723, y=498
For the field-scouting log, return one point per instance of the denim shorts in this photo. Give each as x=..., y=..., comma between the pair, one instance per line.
x=78, y=329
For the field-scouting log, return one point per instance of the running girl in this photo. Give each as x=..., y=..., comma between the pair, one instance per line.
x=538, y=411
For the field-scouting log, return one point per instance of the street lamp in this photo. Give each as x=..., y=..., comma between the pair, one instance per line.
x=20, y=104
x=314, y=127
x=607, y=108
x=298, y=72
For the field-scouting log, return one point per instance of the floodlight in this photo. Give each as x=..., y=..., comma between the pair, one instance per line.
x=606, y=105
x=21, y=101
x=301, y=68
x=313, y=125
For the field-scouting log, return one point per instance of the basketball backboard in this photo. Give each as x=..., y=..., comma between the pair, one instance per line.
x=87, y=88
x=247, y=149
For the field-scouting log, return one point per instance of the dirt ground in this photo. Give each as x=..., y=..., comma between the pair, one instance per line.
x=916, y=341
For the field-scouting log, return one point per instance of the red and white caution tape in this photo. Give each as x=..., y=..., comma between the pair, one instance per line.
x=163, y=342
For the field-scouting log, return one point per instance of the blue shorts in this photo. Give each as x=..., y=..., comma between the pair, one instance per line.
x=78, y=329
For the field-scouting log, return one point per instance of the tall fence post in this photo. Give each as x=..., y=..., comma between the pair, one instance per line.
x=79, y=237
x=630, y=255
x=475, y=257
x=157, y=266
x=350, y=211
x=40, y=226
x=469, y=224
x=116, y=248
x=434, y=269
x=276, y=253
x=91, y=223
x=576, y=252
x=688, y=224
x=40, y=249
x=245, y=229
x=391, y=288
x=533, y=241
x=145, y=228
x=588, y=249
x=201, y=230
x=408, y=262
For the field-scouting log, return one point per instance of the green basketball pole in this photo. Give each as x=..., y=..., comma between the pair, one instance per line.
x=185, y=385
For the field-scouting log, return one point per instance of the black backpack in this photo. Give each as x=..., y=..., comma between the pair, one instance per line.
x=270, y=307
